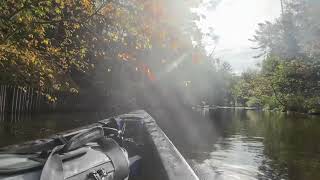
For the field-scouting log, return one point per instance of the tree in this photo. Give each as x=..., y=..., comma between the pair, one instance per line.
x=98, y=46
x=288, y=78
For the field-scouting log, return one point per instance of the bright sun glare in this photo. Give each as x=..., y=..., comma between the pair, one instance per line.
x=234, y=22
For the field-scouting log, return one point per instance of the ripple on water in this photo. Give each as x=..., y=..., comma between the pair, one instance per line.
x=233, y=158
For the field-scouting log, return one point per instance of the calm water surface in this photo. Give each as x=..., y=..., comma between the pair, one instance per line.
x=248, y=145
x=259, y=145
x=25, y=127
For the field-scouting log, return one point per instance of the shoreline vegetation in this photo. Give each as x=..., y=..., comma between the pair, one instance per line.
x=288, y=78
x=138, y=53
x=253, y=109
x=109, y=53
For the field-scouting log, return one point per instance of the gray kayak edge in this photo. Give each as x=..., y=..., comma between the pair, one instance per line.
x=173, y=162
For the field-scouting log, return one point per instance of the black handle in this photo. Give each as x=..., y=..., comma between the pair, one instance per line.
x=83, y=138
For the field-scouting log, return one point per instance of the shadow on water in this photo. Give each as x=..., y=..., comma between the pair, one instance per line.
x=259, y=145
x=17, y=128
x=221, y=144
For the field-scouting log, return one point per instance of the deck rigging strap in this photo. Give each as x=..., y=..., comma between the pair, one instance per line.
x=53, y=169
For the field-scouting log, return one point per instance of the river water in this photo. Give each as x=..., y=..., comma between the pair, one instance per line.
x=255, y=145
x=248, y=145
x=18, y=128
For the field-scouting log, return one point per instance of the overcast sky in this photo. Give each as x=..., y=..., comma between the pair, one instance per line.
x=234, y=22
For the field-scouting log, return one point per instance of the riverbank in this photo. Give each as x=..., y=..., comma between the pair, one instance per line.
x=238, y=107
x=315, y=113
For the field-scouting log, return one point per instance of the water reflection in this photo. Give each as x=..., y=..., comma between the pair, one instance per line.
x=16, y=128
x=242, y=144
x=260, y=145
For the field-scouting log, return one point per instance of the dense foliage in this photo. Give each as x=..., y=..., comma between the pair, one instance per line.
x=109, y=48
x=289, y=78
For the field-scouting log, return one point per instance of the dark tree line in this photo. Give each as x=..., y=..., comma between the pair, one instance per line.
x=109, y=48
